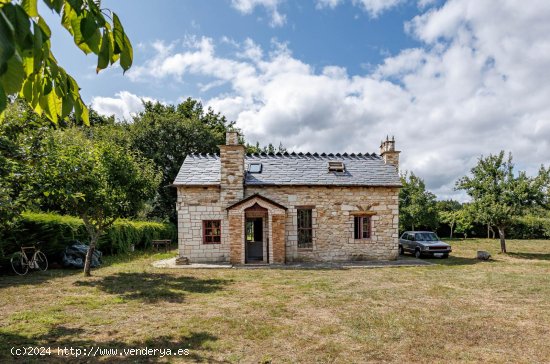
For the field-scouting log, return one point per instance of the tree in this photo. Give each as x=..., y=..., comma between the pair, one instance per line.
x=498, y=194
x=417, y=207
x=97, y=181
x=270, y=148
x=448, y=213
x=28, y=67
x=464, y=220
x=167, y=133
x=20, y=135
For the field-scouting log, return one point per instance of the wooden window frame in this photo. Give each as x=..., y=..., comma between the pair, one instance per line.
x=205, y=235
x=306, y=245
x=361, y=231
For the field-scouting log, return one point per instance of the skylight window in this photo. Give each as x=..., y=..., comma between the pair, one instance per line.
x=336, y=166
x=255, y=168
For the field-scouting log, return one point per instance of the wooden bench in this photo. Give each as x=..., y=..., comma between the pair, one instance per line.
x=161, y=243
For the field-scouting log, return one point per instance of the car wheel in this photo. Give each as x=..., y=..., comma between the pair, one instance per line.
x=445, y=256
x=417, y=253
x=401, y=250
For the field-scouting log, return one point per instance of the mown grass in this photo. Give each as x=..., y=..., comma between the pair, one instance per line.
x=458, y=310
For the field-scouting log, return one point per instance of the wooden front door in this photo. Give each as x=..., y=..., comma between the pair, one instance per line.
x=254, y=231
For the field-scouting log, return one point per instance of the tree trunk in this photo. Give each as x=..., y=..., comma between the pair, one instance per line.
x=488, y=231
x=451, y=225
x=502, y=239
x=89, y=254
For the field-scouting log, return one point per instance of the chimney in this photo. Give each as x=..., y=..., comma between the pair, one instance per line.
x=388, y=152
x=231, y=169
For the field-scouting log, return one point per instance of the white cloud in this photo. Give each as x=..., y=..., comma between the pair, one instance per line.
x=373, y=7
x=478, y=83
x=124, y=105
x=248, y=6
x=328, y=3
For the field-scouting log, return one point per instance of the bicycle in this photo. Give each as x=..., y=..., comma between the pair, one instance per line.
x=21, y=263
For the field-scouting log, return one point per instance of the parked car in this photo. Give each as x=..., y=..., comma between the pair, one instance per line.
x=422, y=243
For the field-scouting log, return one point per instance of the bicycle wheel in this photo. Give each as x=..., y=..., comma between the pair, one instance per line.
x=20, y=263
x=41, y=261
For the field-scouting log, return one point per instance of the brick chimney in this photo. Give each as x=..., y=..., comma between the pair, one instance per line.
x=231, y=169
x=388, y=152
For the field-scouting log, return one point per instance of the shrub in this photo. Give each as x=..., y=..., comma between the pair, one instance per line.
x=530, y=227
x=57, y=231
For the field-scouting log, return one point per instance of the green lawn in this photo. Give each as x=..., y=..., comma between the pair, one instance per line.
x=459, y=310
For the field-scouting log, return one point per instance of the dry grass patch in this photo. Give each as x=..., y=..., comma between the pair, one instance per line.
x=459, y=310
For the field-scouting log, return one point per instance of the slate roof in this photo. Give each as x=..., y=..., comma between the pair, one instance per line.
x=309, y=169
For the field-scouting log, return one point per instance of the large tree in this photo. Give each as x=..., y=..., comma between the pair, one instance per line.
x=417, y=206
x=166, y=134
x=98, y=181
x=20, y=134
x=28, y=67
x=499, y=195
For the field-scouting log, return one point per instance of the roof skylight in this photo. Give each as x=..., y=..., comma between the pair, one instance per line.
x=255, y=168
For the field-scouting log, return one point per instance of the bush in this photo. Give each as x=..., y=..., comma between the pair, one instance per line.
x=530, y=227
x=57, y=231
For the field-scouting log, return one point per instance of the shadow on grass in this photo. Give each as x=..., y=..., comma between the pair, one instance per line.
x=64, y=337
x=531, y=256
x=454, y=260
x=34, y=277
x=154, y=287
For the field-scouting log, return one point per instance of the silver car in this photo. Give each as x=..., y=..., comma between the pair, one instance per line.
x=423, y=243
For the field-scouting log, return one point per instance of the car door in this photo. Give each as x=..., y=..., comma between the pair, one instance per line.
x=412, y=242
x=405, y=242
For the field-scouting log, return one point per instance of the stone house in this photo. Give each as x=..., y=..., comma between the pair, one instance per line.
x=287, y=207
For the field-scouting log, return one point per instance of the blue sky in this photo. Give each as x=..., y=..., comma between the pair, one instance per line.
x=452, y=80
x=348, y=37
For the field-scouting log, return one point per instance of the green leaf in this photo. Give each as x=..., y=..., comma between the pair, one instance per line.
x=56, y=5
x=3, y=99
x=66, y=16
x=77, y=35
x=127, y=55
x=118, y=34
x=66, y=106
x=26, y=90
x=38, y=44
x=76, y=5
x=6, y=38
x=22, y=30
x=88, y=26
x=30, y=7
x=45, y=28
x=28, y=64
x=103, y=56
x=113, y=57
x=13, y=79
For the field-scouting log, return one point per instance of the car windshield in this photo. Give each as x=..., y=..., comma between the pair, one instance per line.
x=426, y=237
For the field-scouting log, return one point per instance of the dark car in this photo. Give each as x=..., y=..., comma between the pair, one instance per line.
x=424, y=243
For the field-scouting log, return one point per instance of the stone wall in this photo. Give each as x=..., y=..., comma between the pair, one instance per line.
x=236, y=234
x=194, y=205
x=333, y=219
x=279, y=243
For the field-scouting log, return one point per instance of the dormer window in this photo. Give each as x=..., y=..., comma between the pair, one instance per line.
x=255, y=168
x=336, y=166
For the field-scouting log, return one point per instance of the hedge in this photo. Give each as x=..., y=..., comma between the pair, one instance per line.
x=57, y=231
